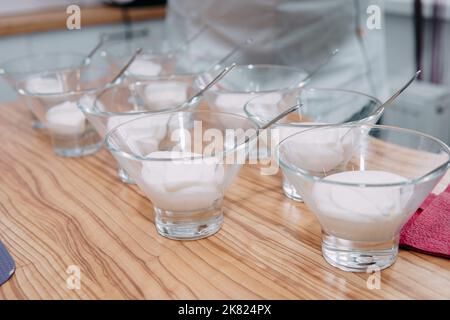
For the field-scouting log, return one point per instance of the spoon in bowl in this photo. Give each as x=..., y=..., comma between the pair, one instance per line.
x=209, y=85
x=392, y=98
x=121, y=71
x=319, y=67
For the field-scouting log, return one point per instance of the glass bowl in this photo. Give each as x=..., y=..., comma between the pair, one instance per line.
x=129, y=100
x=53, y=97
x=17, y=70
x=184, y=162
x=363, y=183
x=158, y=57
x=246, y=81
x=320, y=107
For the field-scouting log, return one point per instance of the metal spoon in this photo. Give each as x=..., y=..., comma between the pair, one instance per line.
x=392, y=98
x=210, y=84
x=122, y=71
x=271, y=122
x=281, y=116
x=276, y=119
x=399, y=92
x=88, y=58
x=319, y=67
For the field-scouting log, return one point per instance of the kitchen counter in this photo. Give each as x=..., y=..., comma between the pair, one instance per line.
x=55, y=19
x=59, y=212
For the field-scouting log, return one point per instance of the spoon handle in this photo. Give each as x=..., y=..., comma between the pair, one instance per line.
x=125, y=67
x=274, y=120
x=391, y=99
x=319, y=67
x=87, y=60
x=395, y=95
x=122, y=71
x=212, y=82
x=281, y=116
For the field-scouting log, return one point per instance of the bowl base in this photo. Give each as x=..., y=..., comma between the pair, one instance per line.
x=78, y=151
x=290, y=192
x=36, y=124
x=76, y=145
x=124, y=177
x=191, y=225
x=357, y=256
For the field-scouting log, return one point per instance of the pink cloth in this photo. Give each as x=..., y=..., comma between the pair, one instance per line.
x=428, y=230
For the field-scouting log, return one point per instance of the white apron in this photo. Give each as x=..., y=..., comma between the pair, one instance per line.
x=289, y=32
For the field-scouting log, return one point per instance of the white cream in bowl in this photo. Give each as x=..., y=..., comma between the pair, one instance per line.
x=65, y=119
x=143, y=67
x=162, y=95
x=182, y=184
x=370, y=213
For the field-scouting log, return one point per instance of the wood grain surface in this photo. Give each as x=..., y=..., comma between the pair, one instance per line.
x=55, y=18
x=57, y=212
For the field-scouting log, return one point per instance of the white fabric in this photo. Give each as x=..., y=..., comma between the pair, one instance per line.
x=290, y=32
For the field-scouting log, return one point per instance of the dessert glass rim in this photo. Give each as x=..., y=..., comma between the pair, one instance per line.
x=148, y=52
x=90, y=90
x=308, y=125
x=222, y=154
x=94, y=111
x=423, y=178
x=37, y=55
x=25, y=92
x=174, y=76
x=255, y=66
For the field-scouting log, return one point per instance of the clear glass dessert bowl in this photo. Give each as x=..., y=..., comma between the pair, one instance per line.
x=184, y=162
x=363, y=183
x=130, y=100
x=158, y=56
x=245, y=82
x=320, y=107
x=18, y=72
x=53, y=97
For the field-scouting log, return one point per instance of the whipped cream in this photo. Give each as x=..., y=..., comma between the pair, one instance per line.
x=161, y=95
x=42, y=85
x=182, y=184
x=361, y=213
x=323, y=151
x=146, y=68
x=142, y=137
x=65, y=119
x=232, y=102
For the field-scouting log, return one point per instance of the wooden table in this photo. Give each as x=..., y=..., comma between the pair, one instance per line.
x=55, y=18
x=57, y=212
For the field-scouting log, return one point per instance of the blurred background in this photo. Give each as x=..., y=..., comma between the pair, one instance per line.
x=414, y=34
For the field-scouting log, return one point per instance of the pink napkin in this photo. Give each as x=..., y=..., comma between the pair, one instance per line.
x=428, y=230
